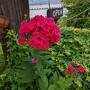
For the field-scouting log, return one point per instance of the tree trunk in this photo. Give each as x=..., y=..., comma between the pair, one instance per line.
x=14, y=10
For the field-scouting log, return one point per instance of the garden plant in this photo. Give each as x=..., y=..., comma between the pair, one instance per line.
x=42, y=56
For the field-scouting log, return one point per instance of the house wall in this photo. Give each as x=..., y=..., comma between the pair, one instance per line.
x=14, y=10
x=41, y=8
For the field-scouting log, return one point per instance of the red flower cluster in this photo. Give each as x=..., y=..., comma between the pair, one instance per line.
x=74, y=69
x=81, y=69
x=70, y=69
x=39, y=32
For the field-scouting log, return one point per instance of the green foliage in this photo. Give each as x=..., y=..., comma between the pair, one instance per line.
x=62, y=21
x=48, y=74
x=66, y=2
x=21, y=73
x=73, y=48
x=80, y=11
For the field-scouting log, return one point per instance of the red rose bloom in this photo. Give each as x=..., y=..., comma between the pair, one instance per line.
x=70, y=69
x=81, y=69
x=21, y=40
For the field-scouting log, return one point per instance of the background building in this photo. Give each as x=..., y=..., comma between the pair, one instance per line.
x=40, y=7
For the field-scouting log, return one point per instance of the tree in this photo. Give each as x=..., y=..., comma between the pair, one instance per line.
x=78, y=13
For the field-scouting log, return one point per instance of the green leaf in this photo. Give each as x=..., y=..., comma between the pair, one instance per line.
x=52, y=87
x=88, y=78
x=24, y=72
x=78, y=82
x=43, y=82
x=55, y=78
x=64, y=83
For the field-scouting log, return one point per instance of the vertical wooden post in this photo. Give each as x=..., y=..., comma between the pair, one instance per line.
x=3, y=24
x=14, y=10
x=3, y=44
x=49, y=4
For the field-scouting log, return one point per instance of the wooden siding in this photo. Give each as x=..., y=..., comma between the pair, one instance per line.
x=14, y=10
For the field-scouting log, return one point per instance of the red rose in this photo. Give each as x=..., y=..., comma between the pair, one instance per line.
x=81, y=69
x=21, y=40
x=70, y=69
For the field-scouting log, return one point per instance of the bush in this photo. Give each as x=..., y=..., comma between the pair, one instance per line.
x=62, y=21
x=22, y=74
x=73, y=48
x=78, y=13
x=78, y=22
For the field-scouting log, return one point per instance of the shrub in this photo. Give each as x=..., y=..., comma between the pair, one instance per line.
x=62, y=21
x=78, y=13
x=22, y=74
x=73, y=49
